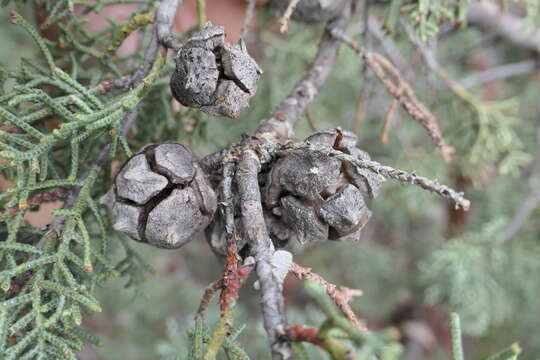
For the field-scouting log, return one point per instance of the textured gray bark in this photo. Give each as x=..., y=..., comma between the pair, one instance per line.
x=165, y=15
x=228, y=200
x=282, y=121
x=262, y=249
x=218, y=239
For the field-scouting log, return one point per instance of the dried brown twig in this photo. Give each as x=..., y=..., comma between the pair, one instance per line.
x=341, y=296
x=208, y=295
x=230, y=285
x=300, y=333
x=401, y=90
x=388, y=118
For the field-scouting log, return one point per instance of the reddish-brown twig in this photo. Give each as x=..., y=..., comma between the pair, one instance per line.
x=337, y=349
x=208, y=295
x=230, y=279
x=299, y=333
x=401, y=91
x=341, y=296
x=229, y=293
x=388, y=118
x=232, y=284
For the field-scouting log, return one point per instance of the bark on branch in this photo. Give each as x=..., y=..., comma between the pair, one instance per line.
x=283, y=120
x=262, y=249
x=509, y=27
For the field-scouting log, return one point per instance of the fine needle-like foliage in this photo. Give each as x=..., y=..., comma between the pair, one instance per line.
x=48, y=278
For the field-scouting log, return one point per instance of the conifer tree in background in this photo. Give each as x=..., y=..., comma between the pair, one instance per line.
x=445, y=90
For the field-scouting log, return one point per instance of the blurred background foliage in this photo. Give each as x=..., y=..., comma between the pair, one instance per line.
x=419, y=259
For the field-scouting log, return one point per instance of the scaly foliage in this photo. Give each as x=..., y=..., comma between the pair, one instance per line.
x=48, y=280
